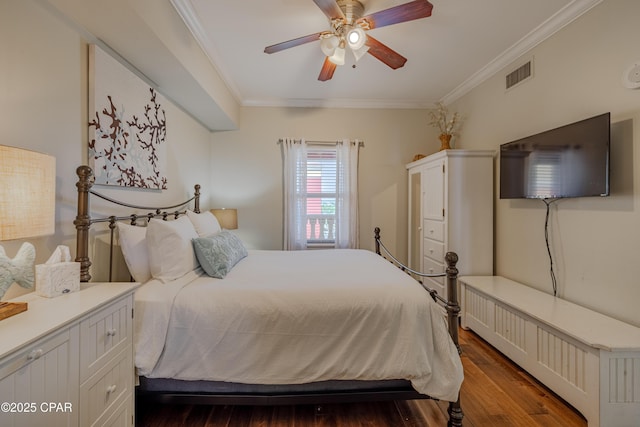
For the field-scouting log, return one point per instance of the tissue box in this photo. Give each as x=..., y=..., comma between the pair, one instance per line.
x=55, y=279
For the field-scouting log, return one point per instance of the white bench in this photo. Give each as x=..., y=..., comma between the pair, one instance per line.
x=589, y=359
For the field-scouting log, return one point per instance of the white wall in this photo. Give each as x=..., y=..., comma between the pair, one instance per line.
x=43, y=107
x=247, y=167
x=595, y=241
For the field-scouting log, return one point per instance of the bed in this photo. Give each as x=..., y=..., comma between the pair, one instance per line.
x=219, y=324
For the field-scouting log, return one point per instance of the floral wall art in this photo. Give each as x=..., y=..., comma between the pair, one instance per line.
x=127, y=126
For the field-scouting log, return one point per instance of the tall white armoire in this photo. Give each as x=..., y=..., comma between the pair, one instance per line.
x=451, y=209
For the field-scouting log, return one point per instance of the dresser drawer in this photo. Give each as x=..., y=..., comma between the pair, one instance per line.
x=432, y=284
x=122, y=416
x=103, y=394
x=105, y=334
x=434, y=250
x=432, y=267
x=434, y=230
x=35, y=353
x=44, y=372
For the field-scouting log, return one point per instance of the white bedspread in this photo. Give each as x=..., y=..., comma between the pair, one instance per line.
x=297, y=317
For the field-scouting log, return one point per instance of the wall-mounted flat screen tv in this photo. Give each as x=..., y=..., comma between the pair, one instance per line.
x=569, y=161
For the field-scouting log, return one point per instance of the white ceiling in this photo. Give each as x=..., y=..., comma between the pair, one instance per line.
x=460, y=45
x=208, y=56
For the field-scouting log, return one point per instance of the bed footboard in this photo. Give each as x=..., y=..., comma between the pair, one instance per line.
x=452, y=306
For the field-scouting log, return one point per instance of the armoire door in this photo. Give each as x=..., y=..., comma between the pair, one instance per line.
x=433, y=190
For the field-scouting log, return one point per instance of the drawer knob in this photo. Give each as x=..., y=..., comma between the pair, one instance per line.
x=111, y=388
x=111, y=333
x=35, y=354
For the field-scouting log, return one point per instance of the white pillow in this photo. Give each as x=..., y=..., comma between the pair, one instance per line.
x=134, y=248
x=170, y=249
x=205, y=223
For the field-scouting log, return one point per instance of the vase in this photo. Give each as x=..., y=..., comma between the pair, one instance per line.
x=445, y=139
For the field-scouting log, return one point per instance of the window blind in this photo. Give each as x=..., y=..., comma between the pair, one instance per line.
x=321, y=193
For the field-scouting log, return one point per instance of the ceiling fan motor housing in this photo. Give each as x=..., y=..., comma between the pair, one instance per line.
x=352, y=10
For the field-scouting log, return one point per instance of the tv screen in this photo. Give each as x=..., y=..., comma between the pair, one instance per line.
x=569, y=161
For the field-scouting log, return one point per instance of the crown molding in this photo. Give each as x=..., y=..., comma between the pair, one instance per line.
x=561, y=19
x=339, y=103
x=188, y=14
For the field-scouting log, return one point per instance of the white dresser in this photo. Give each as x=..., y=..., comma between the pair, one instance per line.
x=451, y=209
x=68, y=361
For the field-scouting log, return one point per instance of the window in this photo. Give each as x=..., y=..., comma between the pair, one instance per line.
x=320, y=194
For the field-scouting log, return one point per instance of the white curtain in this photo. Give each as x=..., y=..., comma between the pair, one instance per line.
x=347, y=235
x=295, y=199
x=295, y=194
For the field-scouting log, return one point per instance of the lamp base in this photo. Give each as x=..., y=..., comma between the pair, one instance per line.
x=8, y=309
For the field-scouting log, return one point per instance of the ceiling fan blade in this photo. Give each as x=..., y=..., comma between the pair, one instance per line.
x=405, y=12
x=326, y=73
x=384, y=53
x=330, y=8
x=293, y=43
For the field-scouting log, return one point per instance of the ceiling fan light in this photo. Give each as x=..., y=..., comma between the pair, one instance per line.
x=338, y=56
x=356, y=38
x=359, y=53
x=328, y=45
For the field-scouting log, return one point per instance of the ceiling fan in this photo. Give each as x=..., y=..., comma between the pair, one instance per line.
x=348, y=26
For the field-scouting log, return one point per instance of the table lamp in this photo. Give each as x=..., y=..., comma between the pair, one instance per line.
x=228, y=218
x=27, y=209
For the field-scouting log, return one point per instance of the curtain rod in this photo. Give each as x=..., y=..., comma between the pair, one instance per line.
x=360, y=143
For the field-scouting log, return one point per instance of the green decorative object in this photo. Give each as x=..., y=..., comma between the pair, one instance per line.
x=18, y=269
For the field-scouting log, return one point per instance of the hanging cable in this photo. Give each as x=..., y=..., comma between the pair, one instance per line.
x=554, y=284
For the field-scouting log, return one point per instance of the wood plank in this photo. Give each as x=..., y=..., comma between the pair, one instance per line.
x=416, y=414
x=540, y=403
x=8, y=309
x=219, y=416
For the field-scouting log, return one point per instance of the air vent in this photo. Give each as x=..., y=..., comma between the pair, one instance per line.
x=520, y=74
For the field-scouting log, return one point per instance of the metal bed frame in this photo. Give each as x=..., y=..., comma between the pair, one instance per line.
x=83, y=223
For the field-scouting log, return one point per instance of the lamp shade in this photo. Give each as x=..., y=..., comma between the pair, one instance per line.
x=359, y=53
x=228, y=218
x=338, y=56
x=329, y=44
x=27, y=193
x=356, y=38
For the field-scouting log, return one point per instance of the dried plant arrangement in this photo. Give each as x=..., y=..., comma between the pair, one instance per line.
x=440, y=118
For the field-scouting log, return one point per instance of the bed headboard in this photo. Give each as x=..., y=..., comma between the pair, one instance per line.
x=84, y=221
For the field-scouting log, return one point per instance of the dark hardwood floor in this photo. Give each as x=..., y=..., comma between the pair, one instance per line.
x=495, y=393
